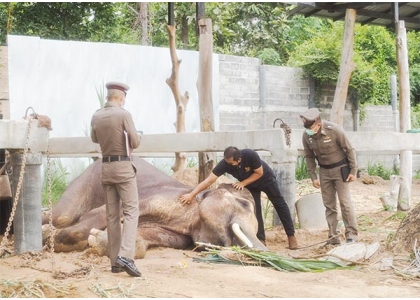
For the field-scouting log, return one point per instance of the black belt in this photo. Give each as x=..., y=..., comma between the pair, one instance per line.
x=341, y=162
x=107, y=159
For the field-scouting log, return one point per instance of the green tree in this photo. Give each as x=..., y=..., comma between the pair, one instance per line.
x=81, y=21
x=374, y=56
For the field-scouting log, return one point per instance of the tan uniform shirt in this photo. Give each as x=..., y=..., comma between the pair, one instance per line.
x=108, y=125
x=329, y=147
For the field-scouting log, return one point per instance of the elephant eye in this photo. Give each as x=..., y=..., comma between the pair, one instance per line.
x=244, y=203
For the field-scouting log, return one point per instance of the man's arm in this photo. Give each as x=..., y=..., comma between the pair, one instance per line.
x=187, y=198
x=93, y=135
x=257, y=174
x=345, y=144
x=310, y=159
x=133, y=135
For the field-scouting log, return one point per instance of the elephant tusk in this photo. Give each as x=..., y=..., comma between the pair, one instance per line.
x=241, y=236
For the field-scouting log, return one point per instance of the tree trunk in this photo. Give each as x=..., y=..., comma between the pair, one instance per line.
x=181, y=101
x=206, y=160
x=346, y=68
x=143, y=20
x=406, y=157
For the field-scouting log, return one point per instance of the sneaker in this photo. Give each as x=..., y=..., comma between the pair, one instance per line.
x=115, y=269
x=128, y=265
x=350, y=241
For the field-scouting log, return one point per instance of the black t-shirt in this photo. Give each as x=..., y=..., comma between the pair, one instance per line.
x=250, y=160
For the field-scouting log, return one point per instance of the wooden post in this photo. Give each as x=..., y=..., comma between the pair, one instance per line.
x=406, y=156
x=207, y=160
x=346, y=68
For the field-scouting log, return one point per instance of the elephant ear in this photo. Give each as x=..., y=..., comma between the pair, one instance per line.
x=201, y=196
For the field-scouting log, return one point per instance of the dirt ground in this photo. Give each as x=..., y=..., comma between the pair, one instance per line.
x=170, y=273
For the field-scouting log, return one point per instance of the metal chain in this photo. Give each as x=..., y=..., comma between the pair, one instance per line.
x=287, y=130
x=52, y=228
x=19, y=186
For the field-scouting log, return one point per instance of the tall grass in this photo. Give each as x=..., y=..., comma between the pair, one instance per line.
x=59, y=175
x=301, y=171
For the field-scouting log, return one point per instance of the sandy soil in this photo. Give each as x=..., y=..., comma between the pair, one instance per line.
x=169, y=273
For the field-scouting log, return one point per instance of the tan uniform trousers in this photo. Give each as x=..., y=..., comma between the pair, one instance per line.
x=120, y=186
x=332, y=184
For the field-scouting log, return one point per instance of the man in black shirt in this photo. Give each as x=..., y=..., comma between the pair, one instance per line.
x=255, y=175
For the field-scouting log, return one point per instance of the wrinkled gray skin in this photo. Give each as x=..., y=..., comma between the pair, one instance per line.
x=163, y=220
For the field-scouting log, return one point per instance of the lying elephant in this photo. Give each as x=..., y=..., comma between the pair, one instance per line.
x=223, y=216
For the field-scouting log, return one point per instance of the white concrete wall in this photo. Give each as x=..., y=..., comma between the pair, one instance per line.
x=60, y=78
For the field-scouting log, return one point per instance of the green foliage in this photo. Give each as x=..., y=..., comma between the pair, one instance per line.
x=301, y=171
x=378, y=169
x=267, y=212
x=269, y=56
x=267, y=259
x=58, y=182
x=320, y=55
x=415, y=116
x=192, y=162
x=389, y=238
x=365, y=223
x=84, y=21
x=398, y=216
x=374, y=57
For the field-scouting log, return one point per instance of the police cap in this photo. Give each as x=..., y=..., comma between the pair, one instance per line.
x=113, y=85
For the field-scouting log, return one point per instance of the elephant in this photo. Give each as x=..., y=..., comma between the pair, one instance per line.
x=223, y=216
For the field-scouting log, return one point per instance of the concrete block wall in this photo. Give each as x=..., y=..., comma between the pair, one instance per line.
x=377, y=118
x=253, y=96
x=239, y=93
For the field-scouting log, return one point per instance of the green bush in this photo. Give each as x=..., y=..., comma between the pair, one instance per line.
x=269, y=56
x=378, y=169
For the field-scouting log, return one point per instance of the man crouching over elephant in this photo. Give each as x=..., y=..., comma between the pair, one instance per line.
x=255, y=175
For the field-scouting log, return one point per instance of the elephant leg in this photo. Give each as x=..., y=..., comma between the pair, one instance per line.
x=75, y=237
x=162, y=237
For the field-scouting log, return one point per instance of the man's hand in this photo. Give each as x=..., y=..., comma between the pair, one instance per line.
x=186, y=198
x=238, y=186
x=351, y=178
x=316, y=184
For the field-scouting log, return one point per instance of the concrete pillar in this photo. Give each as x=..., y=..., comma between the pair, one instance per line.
x=284, y=167
x=27, y=221
x=395, y=113
x=311, y=211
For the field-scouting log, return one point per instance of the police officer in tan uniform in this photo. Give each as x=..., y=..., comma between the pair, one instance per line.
x=113, y=128
x=327, y=143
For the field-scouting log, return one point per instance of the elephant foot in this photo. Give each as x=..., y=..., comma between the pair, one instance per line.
x=46, y=233
x=98, y=242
